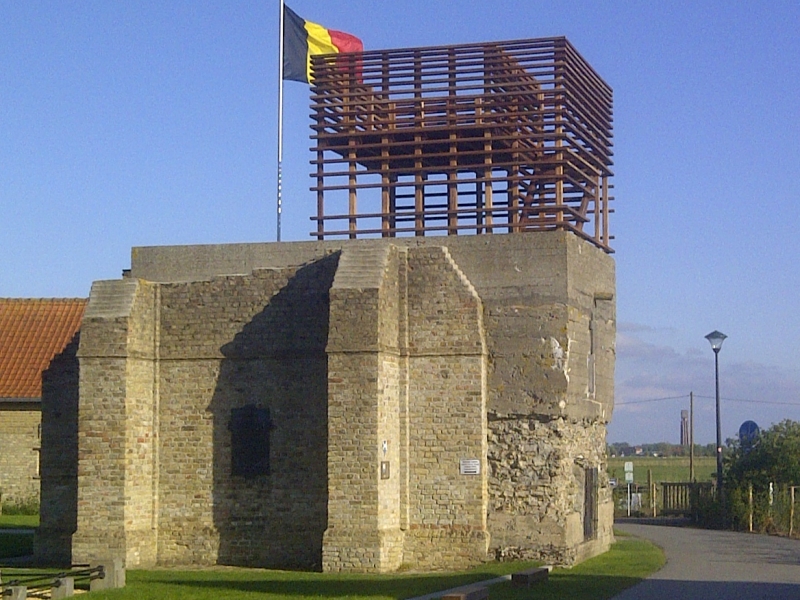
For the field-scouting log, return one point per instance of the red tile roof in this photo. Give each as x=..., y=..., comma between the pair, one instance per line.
x=32, y=332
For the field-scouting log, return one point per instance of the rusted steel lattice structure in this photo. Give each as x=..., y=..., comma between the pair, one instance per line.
x=481, y=138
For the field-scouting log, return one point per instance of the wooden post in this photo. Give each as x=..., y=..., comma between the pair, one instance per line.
x=561, y=108
x=320, y=196
x=452, y=123
x=655, y=501
x=419, y=177
x=387, y=216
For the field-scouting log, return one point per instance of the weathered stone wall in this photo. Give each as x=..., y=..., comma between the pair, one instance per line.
x=19, y=452
x=537, y=487
x=552, y=353
x=378, y=383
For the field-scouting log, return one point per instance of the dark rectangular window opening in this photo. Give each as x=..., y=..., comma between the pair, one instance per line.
x=249, y=427
x=590, y=485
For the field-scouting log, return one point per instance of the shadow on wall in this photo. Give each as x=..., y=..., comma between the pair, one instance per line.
x=270, y=414
x=59, y=458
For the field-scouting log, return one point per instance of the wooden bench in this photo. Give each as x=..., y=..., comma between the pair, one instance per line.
x=474, y=592
x=530, y=576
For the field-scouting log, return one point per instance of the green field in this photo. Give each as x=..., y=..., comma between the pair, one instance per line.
x=663, y=468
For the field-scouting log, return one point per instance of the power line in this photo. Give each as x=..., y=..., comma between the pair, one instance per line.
x=742, y=400
x=750, y=401
x=651, y=400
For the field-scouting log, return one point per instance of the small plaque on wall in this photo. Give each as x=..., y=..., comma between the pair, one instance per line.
x=384, y=469
x=470, y=466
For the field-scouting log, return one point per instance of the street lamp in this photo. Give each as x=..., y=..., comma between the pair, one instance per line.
x=716, y=338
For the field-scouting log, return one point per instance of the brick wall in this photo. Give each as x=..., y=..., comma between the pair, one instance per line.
x=155, y=480
x=19, y=452
x=227, y=343
x=406, y=388
x=363, y=531
x=447, y=414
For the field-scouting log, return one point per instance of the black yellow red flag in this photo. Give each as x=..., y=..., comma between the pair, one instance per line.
x=303, y=39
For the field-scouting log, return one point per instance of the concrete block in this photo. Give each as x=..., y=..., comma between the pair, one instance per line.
x=63, y=587
x=17, y=592
x=113, y=575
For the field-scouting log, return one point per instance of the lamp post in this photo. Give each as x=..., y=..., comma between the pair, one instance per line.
x=716, y=338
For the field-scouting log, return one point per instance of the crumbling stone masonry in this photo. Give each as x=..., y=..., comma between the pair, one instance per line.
x=358, y=405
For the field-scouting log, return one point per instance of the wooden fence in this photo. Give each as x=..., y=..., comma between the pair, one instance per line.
x=664, y=498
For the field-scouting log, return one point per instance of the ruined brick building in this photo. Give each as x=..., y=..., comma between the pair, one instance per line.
x=365, y=404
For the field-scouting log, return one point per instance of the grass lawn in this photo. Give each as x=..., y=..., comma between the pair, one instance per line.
x=664, y=469
x=628, y=562
x=19, y=521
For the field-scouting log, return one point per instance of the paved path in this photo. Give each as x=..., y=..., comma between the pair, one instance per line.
x=704, y=564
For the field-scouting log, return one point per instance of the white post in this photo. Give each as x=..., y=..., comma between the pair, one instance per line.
x=629, y=499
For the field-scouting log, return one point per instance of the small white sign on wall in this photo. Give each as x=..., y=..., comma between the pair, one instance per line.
x=470, y=466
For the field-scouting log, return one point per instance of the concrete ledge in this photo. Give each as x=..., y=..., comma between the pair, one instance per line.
x=473, y=592
x=457, y=591
x=529, y=576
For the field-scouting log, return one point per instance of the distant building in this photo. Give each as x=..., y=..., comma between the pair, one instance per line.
x=685, y=428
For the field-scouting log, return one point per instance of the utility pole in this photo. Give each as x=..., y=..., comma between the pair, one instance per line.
x=691, y=437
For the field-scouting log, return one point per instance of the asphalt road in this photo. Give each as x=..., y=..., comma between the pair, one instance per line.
x=704, y=564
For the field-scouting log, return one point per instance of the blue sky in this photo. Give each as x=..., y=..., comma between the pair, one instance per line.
x=153, y=123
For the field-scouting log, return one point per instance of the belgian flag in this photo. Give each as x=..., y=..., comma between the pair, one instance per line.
x=303, y=39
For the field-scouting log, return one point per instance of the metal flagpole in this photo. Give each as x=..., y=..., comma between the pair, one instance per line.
x=280, y=119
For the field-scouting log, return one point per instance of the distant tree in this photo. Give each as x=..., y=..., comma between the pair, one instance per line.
x=660, y=448
x=773, y=458
x=766, y=466
x=707, y=450
x=620, y=449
